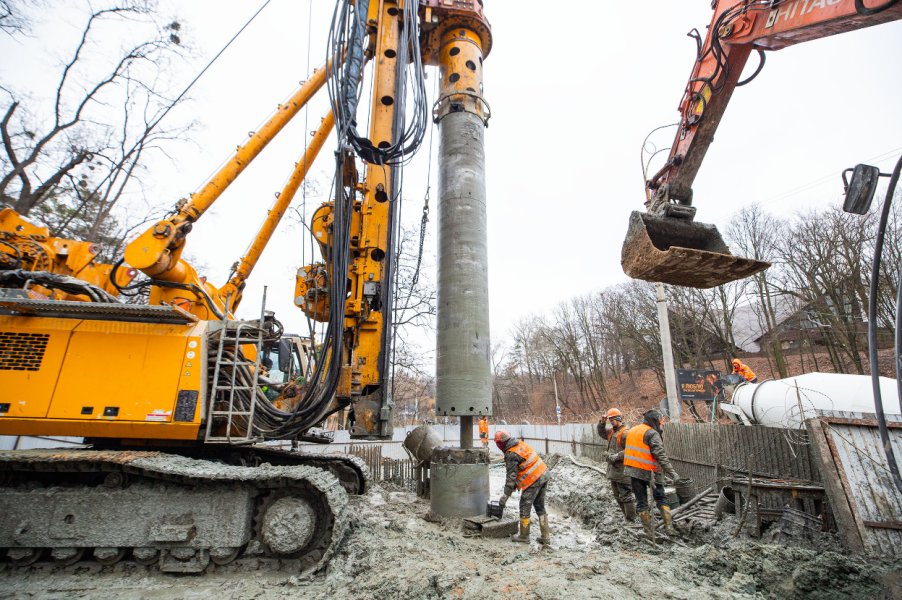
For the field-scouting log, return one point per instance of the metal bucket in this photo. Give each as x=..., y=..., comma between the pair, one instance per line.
x=798, y=527
x=421, y=441
x=726, y=503
x=685, y=489
x=673, y=498
x=681, y=252
x=494, y=509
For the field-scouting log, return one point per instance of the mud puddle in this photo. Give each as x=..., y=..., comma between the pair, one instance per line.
x=569, y=533
x=392, y=552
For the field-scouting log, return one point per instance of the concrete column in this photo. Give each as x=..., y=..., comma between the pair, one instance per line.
x=463, y=374
x=466, y=432
x=673, y=400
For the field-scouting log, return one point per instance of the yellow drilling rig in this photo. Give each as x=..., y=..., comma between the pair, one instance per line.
x=169, y=395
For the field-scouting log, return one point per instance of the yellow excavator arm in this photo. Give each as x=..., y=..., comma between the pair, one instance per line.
x=157, y=252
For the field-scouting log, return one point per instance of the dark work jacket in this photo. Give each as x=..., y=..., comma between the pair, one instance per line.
x=653, y=440
x=512, y=462
x=615, y=450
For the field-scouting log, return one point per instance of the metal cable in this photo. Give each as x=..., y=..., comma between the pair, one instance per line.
x=864, y=10
x=872, y=329
x=346, y=39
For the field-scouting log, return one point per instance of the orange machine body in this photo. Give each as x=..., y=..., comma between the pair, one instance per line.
x=738, y=27
x=99, y=378
x=30, y=247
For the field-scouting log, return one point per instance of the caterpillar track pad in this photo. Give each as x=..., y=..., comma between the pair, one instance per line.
x=681, y=252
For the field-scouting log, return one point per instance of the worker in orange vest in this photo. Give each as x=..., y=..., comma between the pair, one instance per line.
x=645, y=462
x=611, y=428
x=484, y=431
x=527, y=472
x=744, y=370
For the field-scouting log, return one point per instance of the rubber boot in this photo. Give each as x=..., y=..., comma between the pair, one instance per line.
x=523, y=536
x=545, y=538
x=668, y=521
x=647, y=525
x=629, y=511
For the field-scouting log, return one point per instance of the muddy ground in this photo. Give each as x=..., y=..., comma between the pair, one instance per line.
x=392, y=552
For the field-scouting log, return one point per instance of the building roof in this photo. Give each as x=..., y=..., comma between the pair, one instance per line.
x=749, y=324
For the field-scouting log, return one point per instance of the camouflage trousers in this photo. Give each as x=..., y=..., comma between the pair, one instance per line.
x=534, y=496
x=623, y=493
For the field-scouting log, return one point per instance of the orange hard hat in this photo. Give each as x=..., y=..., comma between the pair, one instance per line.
x=501, y=438
x=614, y=413
x=736, y=361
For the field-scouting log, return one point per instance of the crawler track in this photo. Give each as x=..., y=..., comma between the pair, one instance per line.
x=180, y=512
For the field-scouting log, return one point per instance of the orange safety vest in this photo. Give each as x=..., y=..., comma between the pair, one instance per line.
x=625, y=430
x=745, y=371
x=637, y=453
x=483, y=428
x=531, y=469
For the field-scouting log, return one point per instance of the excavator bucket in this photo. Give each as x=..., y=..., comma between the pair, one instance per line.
x=681, y=252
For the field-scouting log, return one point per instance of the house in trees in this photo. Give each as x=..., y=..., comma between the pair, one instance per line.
x=809, y=324
x=750, y=322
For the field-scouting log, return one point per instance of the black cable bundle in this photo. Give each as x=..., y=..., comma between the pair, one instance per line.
x=325, y=377
x=872, y=330
x=63, y=283
x=716, y=48
x=346, y=46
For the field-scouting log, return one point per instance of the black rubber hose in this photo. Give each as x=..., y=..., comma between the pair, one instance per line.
x=899, y=339
x=867, y=12
x=872, y=329
x=762, y=57
x=122, y=289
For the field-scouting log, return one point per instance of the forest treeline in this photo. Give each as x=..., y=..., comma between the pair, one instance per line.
x=810, y=305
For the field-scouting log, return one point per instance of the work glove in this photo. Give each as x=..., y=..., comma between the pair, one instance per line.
x=610, y=457
x=674, y=476
x=503, y=501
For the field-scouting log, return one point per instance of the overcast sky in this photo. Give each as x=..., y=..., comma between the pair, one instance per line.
x=573, y=94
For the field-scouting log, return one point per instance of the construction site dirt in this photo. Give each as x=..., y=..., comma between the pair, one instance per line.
x=391, y=551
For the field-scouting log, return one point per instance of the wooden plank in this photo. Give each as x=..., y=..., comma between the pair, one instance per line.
x=873, y=504
x=884, y=524
x=836, y=487
x=864, y=422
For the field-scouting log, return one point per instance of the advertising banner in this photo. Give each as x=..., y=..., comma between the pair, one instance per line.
x=696, y=384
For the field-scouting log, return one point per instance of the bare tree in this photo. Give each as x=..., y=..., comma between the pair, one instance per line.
x=87, y=157
x=760, y=235
x=414, y=308
x=13, y=17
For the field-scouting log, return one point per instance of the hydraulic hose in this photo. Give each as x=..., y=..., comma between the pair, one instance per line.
x=872, y=329
x=867, y=12
x=762, y=58
x=899, y=339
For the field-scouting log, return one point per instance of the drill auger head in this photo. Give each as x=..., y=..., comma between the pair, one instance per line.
x=681, y=252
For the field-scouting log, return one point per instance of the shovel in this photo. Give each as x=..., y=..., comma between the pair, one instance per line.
x=681, y=252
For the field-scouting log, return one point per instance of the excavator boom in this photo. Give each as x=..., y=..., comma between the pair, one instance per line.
x=665, y=244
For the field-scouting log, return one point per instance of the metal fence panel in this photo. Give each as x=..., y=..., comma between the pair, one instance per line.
x=861, y=463
x=697, y=448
